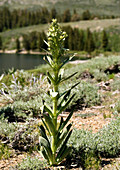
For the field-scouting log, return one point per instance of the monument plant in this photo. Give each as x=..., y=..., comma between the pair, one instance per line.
x=54, y=133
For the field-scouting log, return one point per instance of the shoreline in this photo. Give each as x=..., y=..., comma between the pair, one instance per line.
x=21, y=52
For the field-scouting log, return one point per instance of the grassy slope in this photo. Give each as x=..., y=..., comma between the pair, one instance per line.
x=108, y=7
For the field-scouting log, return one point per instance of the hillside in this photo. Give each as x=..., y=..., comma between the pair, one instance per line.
x=103, y=7
x=97, y=25
x=110, y=25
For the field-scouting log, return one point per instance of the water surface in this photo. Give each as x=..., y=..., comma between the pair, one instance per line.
x=20, y=61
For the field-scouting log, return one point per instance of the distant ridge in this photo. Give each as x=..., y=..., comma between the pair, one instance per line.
x=101, y=7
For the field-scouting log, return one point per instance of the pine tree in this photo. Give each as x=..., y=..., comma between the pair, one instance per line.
x=89, y=43
x=14, y=16
x=75, y=16
x=17, y=45
x=81, y=41
x=71, y=38
x=86, y=15
x=66, y=16
x=44, y=38
x=1, y=43
x=41, y=44
x=66, y=29
x=104, y=40
x=45, y=15
x=76, y=39
x=53, y=14
x=33, y=40
x=26, y=42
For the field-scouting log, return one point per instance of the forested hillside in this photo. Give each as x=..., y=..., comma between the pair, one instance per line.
x=103, y=7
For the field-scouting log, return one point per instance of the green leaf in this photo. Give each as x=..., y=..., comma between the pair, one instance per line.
x=45, y=155
x=62, y=136
x=67, y=91
x=45, y=126
x=66, y=121
x=49, y=81
x=44, y=58
x=61, y=122
x=48, y=109
x=50, y=77
x=69, y=77
x=65, y=106
x=62, y=149
x=45, y=143
x=50, y=124
x=43, y=133
x=65, y=153
x=66, y=61
x=50, y=60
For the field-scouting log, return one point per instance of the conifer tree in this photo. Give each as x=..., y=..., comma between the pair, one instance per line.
x=104, y=40
x=81, y=41
x=41, y=44
x=44, y=38
x=75, y=16
x=86, y=15
x=76, y=39
x=70, y=38
x=14, y=16
x=66, y=16
x=45, y=16
x=26, y=42
x=17, y=45
x=1, y=43
x=53, y=14
x=89, y=43
x=66, y=29
x=33, y=40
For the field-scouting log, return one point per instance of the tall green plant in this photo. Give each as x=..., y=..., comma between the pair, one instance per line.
x=54, y=134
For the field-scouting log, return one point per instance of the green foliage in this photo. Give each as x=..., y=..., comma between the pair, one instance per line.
x=55, y=149
x=23, y=100
x=31, y=163
x=17, y=45
x=86, y=15
x=96, y=66
x=104, y=41
x=5, y=152
x=89, y=43
x=86, y=94
x=95, y=42
x=23, y=137
x=41, y=44
x=117, y=107
x=109, y=8
x=33, y=40
x=115, y=84
x=104, y=143
x=1, y=43
x=7, y=129
x=66, y=16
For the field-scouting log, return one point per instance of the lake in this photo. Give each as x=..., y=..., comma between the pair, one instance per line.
x=20, y=61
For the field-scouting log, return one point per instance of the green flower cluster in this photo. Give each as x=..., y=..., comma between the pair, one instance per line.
x=56, y=38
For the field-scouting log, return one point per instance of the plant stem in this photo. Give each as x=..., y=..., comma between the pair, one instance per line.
x=55, y=102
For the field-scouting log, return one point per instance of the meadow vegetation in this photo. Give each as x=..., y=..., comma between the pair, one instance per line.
x=22, y=99
x=31, y=102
